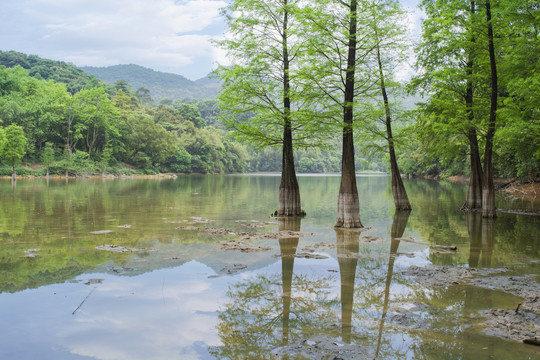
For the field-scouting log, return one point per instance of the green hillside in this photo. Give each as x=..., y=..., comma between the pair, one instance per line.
x=58, y=71
x=161, y=85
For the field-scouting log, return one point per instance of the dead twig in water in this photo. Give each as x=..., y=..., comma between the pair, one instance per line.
x=81, y=304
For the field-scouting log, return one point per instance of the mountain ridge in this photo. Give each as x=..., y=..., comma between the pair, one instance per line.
x=161, y=84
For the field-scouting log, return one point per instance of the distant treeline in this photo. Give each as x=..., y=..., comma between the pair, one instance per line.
x=90, y=126
x=75, y=124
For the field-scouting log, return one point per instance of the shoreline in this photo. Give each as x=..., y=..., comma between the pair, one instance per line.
x=519, y=188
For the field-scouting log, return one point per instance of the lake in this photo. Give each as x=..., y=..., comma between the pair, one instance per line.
x=193, y=268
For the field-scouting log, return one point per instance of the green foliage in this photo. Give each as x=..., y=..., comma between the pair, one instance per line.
x=58, y=71
x=115, y=129
x=95, y=116
x=453, y=57
x=105, y=158
x=180, y=162
x=265, y=91
x=191, y=113
x=47, y=155
x=35, y=105
x=146, y=142
x=13, y=144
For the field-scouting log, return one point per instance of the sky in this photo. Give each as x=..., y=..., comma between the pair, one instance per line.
x=165, y=35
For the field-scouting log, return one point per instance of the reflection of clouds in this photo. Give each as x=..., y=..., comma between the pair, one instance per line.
x=158, y=316
x=419, y=258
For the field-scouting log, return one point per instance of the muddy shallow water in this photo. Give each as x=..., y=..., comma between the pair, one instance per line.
x=195, y=268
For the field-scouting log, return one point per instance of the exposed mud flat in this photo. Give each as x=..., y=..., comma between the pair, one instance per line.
x=248, y=235
x=524, y=286
x=117, y=248
x=255, y=224
x=509, y=324
x=320, y=348
x=99, y=232
x=319, y=246
x=519, y=324
x=233, y=269
x=435, y=276
x=409, y=315
x=242, y=246
x=310, y=255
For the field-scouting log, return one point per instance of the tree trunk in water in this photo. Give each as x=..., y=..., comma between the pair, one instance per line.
x=289, y=191
x=13, y=175
x=401, y=200
x=288, y=250
x=347, y=245
x=348, y=207
x=474, y=193
x=488, y=188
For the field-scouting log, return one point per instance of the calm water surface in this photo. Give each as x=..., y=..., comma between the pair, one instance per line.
x=184, y=297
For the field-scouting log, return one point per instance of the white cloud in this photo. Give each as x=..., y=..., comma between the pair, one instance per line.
x=165, y=35
x=162, y=34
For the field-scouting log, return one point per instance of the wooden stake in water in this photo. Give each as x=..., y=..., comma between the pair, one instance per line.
x=81, y=304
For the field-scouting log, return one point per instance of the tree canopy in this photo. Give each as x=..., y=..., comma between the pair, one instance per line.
x=89, y=124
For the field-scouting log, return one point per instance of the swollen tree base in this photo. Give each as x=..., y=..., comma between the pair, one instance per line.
x=300, y=213
x=289, y=203
x=474, y=198
x=348, y=211
x=401, y=200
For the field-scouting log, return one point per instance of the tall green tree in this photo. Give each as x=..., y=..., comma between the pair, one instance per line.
x=35, y=105
x=474, y=192
x=96, y=117
x=262, y=91
x=191, y=113
x=348, y=209
x=47, y=156
x=389, y=46
x=146, y=142
x=339, y=48
x=518, y=129
x=488, y=188
x=452, y=61
x=13, y=146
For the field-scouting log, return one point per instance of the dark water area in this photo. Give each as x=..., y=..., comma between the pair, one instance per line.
x=180, y=291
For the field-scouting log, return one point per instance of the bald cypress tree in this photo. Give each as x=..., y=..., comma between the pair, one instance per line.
x=263, y=91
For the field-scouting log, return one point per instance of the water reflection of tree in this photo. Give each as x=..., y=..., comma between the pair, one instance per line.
x=265, y=312
x=454, y=306
x=481, y=238
x=287, y=248
x=347, y=251
x=398, y=228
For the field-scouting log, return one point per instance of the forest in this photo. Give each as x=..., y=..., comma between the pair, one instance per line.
x=74, y=123
x=55, y=118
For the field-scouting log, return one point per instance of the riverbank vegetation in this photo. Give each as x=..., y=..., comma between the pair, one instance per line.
x=113, y=129
x=73, y=123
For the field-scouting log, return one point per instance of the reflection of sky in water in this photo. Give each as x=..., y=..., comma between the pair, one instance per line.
x=163, y=314
x=154, y=317
x=168, y=306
